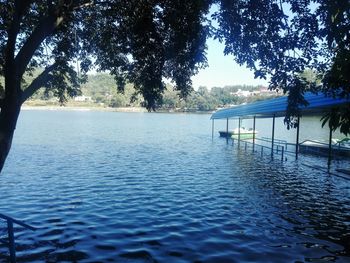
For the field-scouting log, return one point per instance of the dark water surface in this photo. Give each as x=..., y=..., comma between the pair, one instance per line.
x=136, y=187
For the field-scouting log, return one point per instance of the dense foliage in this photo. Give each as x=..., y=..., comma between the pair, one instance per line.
x=139, y=41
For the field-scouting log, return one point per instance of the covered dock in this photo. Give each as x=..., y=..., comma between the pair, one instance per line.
x=272, y=108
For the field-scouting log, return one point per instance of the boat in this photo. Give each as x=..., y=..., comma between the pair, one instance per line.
x=243, y=134
x=339, y=147
x=226, y=134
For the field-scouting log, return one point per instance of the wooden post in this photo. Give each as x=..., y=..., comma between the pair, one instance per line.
x=253, y=133
x=273, y=134
x=239, y=131
x=297, y=141
x=330, y=148
x=11, y=241
x=226, y=130
x=212, y=130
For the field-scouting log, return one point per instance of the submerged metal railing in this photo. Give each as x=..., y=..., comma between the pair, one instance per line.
x=288, y=147
x=277, y=149
x=11, y=237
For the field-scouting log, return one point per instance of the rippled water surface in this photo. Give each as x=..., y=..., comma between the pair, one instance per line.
x=136, y=187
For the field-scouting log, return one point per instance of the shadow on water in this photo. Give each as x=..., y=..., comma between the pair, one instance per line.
x=310, y=202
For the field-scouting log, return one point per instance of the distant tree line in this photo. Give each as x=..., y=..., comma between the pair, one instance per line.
x=102, y=90
x=204, y=99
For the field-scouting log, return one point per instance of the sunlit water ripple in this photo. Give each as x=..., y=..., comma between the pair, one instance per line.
x=117, y=187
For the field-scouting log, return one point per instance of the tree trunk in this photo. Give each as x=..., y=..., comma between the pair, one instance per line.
x=8, y=119
x=5, y=145
x=10, y=108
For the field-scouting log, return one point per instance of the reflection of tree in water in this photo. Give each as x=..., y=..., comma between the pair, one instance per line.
x=314, y=203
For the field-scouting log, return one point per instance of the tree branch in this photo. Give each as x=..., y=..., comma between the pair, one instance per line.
x=38, y=82
x=20, y=7
x=86, y=4
x=44, y=29
x=12, y=90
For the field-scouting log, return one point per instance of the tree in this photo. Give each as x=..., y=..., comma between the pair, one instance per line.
x=223, y=96
x=284, y=38
x=141, y=41
x=144, y=41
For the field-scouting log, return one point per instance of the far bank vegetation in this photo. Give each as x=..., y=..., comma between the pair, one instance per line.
x=100, y=91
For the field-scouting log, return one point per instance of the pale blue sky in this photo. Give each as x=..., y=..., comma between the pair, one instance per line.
x=223, y=71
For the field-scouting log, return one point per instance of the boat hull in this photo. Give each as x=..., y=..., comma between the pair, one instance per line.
x=243, y=136
x=226, y=134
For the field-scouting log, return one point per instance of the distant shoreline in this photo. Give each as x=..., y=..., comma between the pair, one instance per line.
x=83, y=108
x=106, y=109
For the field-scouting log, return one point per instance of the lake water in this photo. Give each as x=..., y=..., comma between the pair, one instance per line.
x=139, y=187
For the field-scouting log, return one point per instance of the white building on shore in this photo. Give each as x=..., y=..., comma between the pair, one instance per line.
x=83, y=98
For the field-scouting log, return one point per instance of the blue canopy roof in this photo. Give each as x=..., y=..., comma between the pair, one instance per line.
x=267, y=108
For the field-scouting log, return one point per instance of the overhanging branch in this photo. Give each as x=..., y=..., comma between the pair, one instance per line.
x=44, y=29
x=85, y=4
x=38, y=82
x=20, y=7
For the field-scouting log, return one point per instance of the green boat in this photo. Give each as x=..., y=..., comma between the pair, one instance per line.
x=243, y=134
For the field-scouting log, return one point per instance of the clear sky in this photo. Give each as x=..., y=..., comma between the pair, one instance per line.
x=223, y=71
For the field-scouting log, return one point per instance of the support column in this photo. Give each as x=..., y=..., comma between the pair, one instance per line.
x=330, y=148
x=11, y=241
x=254, y=133
x=239, y=131
x=212, y=129
x=273, y=135
x=227, y=130
x=297, y=140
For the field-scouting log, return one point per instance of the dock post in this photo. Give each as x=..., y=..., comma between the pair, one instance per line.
x=273, y=134
x=282, y=153
x=253, y=133
x=330, y=148
x=239, y=131
x=212, y=129
x=11, y=241
x=226, y=130
x=297, y=141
